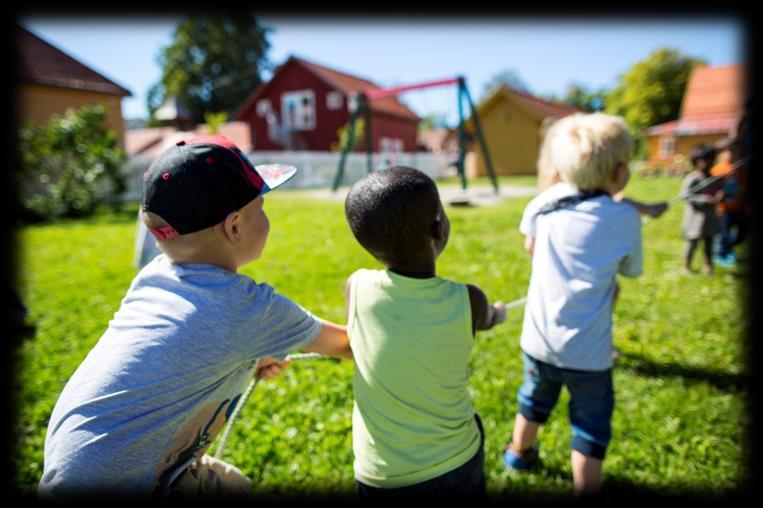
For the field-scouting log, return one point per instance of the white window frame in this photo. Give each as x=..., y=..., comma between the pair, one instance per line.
x=391, y=145
x=334, y=100
x=301, y=122
x=263, y=107
x=667, y=146
x=352, y=101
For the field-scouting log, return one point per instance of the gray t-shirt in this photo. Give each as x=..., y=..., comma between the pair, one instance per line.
x=578, y=252
x=165, y=376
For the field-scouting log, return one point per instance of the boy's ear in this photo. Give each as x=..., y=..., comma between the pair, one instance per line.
x=232, y=226
x=438, y=230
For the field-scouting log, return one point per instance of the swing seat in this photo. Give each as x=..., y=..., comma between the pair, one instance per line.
x=460, y=201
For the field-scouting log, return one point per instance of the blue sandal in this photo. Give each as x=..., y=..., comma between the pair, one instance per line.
x=521, y=461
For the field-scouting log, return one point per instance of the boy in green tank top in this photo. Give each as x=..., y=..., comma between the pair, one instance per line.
x=414, y=428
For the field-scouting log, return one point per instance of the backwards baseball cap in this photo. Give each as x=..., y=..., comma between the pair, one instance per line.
x=196, y=183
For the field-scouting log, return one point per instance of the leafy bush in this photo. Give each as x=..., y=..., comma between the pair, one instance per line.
x=69, y=166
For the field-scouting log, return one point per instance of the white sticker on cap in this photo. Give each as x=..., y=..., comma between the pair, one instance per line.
x=275, y=174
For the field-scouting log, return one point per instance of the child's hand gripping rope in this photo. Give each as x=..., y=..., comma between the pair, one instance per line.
x=264, y=368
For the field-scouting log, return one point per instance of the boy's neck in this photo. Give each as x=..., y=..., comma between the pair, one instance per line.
x=224, y=262
x=421, y=269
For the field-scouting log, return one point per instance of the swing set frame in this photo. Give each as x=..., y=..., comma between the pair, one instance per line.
x=363, y=109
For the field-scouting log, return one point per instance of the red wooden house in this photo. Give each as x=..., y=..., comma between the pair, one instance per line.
x=304, y=105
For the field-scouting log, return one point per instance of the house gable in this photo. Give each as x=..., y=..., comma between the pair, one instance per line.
x=333, y=79
x=39, y=62
x=273, y=129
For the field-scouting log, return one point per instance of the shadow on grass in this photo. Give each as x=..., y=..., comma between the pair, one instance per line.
x=722, y=380
x=618, y=488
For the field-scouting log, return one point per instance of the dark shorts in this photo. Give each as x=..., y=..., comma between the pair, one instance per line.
x=468, y=479
x=592, y=401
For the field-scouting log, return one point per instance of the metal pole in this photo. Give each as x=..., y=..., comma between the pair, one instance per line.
x=461, y=136
x=346, y=148
x=480, y=137
x=369, y=139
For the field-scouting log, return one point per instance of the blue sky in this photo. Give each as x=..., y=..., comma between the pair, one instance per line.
x=547, y=53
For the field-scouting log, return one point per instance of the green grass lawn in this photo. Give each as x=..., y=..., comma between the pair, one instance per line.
x=679, y=422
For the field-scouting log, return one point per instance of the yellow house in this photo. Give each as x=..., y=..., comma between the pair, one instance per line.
x=712, y=106
x=48, y=82
x=512, y=122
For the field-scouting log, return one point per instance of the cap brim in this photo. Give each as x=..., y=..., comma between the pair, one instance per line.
x=275, y=175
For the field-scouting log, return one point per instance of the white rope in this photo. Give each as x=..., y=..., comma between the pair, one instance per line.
x=234, y=415
x=248, y=392
x=516, y=303
x=699, y=186
x=292, y=357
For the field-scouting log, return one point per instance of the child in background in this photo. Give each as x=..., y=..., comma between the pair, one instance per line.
x=141, y=410
x=700, y=218
x=415, y=431
x=580, y=239
x=732, y=209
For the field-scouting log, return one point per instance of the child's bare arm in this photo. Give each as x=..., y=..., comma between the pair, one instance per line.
x=332, y=341
x=484, y=315
x=650, y=209
x=530, y=244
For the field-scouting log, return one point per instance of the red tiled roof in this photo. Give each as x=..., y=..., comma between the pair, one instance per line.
x=151, y=142
x=543, y=107
x=695, y=126
x=714, y=92
x=347, y=83
x=41, y=63
x=142, y=141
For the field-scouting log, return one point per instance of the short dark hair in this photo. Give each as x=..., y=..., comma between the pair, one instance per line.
x=391, y=211
x=701, y=151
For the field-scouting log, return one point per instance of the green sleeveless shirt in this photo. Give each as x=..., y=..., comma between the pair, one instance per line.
x=411, y=340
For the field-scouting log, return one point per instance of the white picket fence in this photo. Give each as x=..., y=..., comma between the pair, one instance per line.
x=316, y=169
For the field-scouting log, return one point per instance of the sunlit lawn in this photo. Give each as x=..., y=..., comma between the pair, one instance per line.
x=679, y=423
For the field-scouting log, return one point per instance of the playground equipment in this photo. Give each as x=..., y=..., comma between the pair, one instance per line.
x=363, y=110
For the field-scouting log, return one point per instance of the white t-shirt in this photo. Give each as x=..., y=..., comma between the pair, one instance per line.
x=578, y=251
x=164, y=377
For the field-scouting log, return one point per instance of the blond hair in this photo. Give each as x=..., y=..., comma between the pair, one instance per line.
x=584, y=149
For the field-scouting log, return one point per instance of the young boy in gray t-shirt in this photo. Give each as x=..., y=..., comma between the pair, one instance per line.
x=139, y=413
x=580, y=239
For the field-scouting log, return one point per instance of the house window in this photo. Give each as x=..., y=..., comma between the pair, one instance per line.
x=391, y=145
x=298, y=110
x=263, y=107
x=334, y=100
x=667, y=146
x=352, y=101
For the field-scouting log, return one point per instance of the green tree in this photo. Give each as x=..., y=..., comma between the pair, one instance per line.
x=651, y=91
x=434, y=121
x=343, y=134
x=507, y=77
x=214, y=121
x=581, y=97
x=70, y=165
x=213, y=63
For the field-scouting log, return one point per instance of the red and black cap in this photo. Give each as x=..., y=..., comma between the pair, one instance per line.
x=197, y=183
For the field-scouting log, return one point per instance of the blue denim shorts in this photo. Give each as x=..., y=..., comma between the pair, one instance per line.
x=592, y=401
